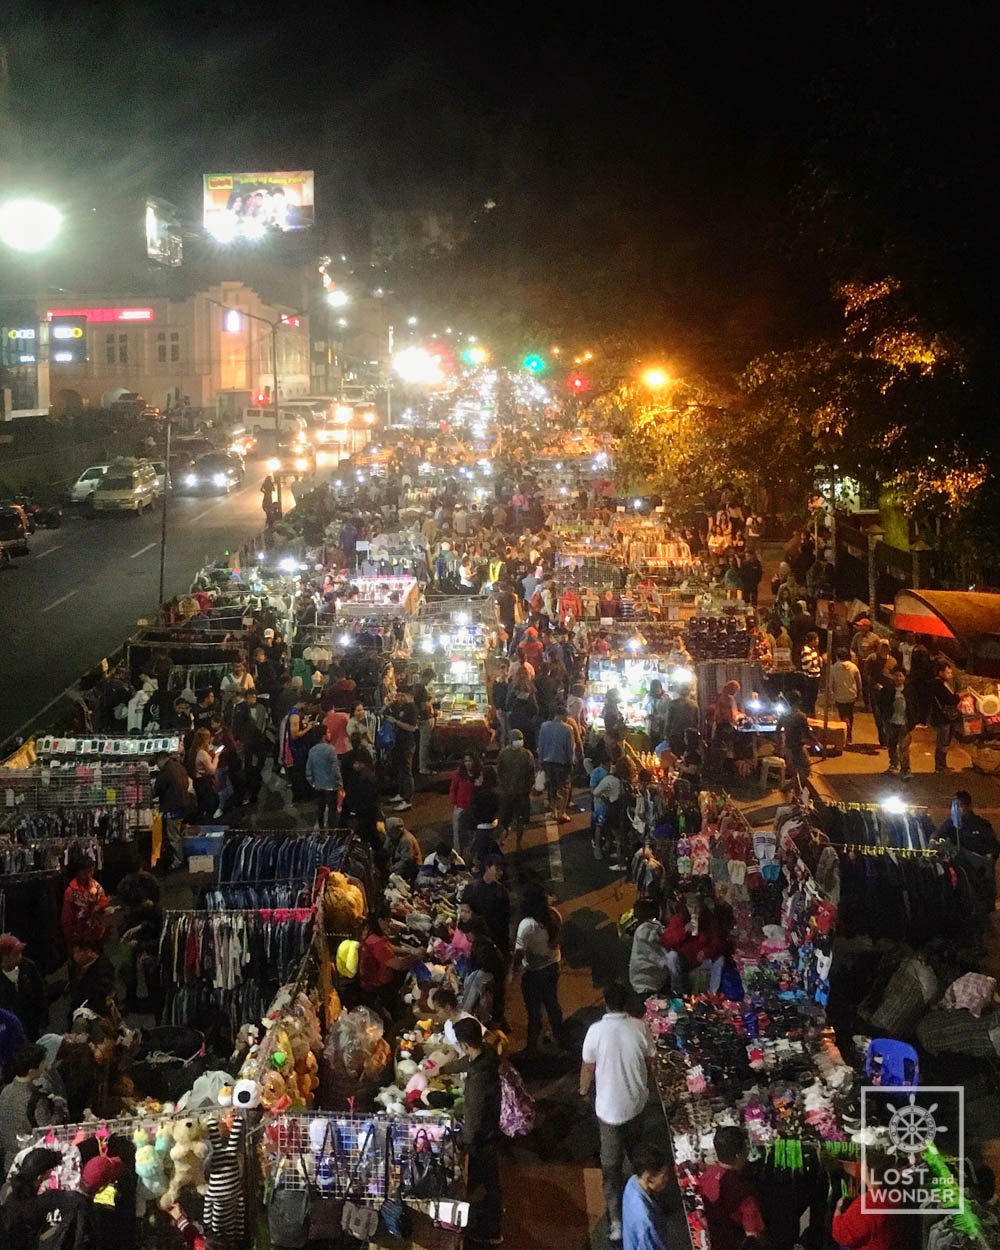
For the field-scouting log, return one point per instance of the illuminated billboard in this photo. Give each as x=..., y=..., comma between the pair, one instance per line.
x=249, y=206
x=164, y=243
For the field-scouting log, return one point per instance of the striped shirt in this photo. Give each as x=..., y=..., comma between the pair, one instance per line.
x=810, y=663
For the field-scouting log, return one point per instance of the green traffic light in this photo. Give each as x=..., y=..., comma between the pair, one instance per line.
x=533, y=363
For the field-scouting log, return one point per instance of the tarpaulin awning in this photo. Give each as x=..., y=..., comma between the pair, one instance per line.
x=947, y=613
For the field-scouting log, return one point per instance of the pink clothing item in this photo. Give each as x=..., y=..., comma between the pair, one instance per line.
x=335, y=724
x=972, y=992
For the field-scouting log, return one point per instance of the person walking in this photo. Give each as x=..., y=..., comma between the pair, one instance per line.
x=555, y=754
x=616, y=1055
x=944, y=714
x=423, y=701
x=537, y=957
x=324, y=775
x=22, y=989
x=401, y=712
x=515, y=779
x=810, y=666
x=644, y=1219
x=481, y=1136
x=845, y=680
x=461, y=792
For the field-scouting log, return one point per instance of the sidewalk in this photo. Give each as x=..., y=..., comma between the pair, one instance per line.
x=859, y=776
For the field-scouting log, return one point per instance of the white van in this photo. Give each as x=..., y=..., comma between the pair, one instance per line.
x=128, y=486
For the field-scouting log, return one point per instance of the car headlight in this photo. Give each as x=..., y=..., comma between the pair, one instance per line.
x=219, y=479
x=191, y=479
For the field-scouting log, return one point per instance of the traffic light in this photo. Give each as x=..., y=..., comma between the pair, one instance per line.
x=533, y=363
x=577, y=383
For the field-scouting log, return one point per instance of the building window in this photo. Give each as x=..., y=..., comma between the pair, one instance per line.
x=161, y=348
x=175, y=346
x=123, y=349
x=109, y=349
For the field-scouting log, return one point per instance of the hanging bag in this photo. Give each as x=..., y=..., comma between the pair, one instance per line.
x=424, y=1173
x=395, y=1213
x=288, y=1210
x=357, y=1220
x=540, y=781
x=326, y=1214
x=385, y=739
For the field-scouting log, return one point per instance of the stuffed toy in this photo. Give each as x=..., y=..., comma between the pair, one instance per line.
x=149, y=1164
x=188, y=1157
x=405, y=1068
x=273, y=1092
x=392, y=1099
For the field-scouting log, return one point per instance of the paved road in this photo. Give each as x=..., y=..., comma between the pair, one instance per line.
x=79, y=594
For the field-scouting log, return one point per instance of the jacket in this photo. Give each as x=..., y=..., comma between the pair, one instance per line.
x=172, y=788
x=462, y=791
x=27, y=999
x=649, y=963
x=515, y=771
x=555, y=743
x=481, y=1124
x=323, y=768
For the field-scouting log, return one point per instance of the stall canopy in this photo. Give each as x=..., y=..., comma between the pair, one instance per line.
x=969, y=619
x=948, y=613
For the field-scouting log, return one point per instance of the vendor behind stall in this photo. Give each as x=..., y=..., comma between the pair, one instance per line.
x=383, y=966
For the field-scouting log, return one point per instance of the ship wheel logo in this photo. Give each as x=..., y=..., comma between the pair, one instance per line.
x=913, y=1127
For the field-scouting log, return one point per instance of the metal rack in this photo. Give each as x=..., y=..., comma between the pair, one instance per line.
x=369, y=1153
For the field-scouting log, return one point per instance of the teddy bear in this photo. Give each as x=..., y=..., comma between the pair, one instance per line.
x=164, y=1139
x=392, y=1099
x=148, y=1164
x=188, y=1157
x=273, y=1091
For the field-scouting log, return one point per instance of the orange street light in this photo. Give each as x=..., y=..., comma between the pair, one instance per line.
x=656, y=379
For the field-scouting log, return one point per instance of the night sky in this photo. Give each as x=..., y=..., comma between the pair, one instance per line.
x=655, y=171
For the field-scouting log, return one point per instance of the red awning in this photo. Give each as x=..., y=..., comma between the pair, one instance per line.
x=947, y=613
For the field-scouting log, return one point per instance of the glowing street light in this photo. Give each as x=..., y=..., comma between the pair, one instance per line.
x=411, y=321
x=656, y=379
x=419, y=366
x=338, y=298
x=29, y=225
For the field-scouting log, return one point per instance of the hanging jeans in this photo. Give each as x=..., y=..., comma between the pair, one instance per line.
x=541, y=990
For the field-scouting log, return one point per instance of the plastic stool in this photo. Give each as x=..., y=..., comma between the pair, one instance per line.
x=887, y=1062
x=772, y=772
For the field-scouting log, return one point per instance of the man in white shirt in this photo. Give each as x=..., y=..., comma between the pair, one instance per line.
x=616, y=1055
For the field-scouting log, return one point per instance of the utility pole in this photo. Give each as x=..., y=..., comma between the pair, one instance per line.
x=163, y=513
x=388, y=386
x=274, y=370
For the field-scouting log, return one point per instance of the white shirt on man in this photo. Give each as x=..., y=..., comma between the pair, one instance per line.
x=618, y=1045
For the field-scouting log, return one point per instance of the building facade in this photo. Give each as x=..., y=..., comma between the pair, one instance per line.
x=83, y=351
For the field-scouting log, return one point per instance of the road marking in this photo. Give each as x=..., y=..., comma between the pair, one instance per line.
x=57, y=547
x=555, y=850
x=142, y=551
x=58, y=601
x=210, y=508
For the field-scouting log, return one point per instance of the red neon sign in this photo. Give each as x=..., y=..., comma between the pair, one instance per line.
x=104, y=314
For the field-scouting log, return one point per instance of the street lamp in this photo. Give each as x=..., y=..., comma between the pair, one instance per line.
x=338, y=298
x=656, y=379
x=29, y=225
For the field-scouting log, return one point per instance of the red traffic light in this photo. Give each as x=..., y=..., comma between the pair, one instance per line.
x=577, y=383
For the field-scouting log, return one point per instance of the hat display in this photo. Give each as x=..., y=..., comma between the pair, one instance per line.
x=100, y=1171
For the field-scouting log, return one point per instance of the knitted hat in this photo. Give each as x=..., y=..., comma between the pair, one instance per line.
x=100, y=1171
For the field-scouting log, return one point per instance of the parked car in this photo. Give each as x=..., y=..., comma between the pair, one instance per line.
x=215, y=472
x=13, y=532
x=85, y=485
x=128, y=486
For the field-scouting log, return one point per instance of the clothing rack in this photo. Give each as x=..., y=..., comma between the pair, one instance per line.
x=44, y=787
x=876, y=807
x=860, y=848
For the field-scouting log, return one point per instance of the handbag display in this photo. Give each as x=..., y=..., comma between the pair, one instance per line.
x=357, y=1220
x=288, y=1210
x=395, y=1213
x=326, y=1214
x=424, y=1173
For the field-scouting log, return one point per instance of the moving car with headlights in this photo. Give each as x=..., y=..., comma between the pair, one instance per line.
x=215, y=472
x=85, y=485
x=128, y=486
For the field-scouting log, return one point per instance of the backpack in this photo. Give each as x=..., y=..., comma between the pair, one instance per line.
x=385, y=738
x=517, y=1107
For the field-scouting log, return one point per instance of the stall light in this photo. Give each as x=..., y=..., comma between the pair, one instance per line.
x=344, y=640
x=634, y=645
x=302, y=464
x=637, y=504
x=754, y=705
x=563, y=490
x=338, y=482
x=273, y=466
x=427, y=646
x=683, y=676
x=461, y=618
x=444, y=641
x=894, y=805
x=289, y=564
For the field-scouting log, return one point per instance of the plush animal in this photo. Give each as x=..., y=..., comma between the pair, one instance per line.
x=164, y=1138
x=405, y=1068
x=392, y=1099
x=148, y=1164
x=188, y=1157
x=273, y=1091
